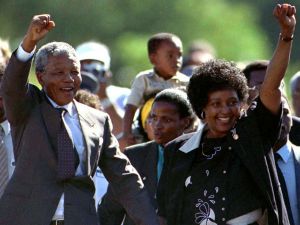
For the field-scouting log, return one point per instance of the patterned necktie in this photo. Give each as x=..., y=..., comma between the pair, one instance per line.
x=283, y=188
x=3, y=163
x=65, y=151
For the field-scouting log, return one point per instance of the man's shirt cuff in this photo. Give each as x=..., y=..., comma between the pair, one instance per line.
x=24, y=56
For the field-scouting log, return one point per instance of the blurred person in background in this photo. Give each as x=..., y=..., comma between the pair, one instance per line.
x=142, y=129
x=5, y=51
x=7, y=159
x=88, y=98
x=200, y=51
x=255, y=74
x=295, y=93
x=95, y=63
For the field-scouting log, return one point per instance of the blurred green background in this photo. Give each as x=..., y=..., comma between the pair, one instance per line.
x=240, y=30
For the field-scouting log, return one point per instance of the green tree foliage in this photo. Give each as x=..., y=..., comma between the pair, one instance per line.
x=125, y=26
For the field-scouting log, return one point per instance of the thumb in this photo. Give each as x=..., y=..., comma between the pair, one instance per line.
x=50, y=25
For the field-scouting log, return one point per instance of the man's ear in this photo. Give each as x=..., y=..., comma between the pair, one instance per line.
x=40, y=78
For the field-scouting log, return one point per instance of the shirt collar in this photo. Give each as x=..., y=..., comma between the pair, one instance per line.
x=175, y=77
x=69, y=107
x=160, y=149
x=6, y=127
x=285, y=152
x=194, y=141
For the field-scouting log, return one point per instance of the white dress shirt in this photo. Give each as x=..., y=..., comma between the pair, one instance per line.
x=74, y=131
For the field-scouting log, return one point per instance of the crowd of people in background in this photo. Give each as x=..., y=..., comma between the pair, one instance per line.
x=194, y=140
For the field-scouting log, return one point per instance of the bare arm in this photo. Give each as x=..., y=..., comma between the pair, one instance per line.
x=127, y=122
x=270, y=93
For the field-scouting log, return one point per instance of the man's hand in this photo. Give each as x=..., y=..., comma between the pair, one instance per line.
x=285, y=15
x=40, y=25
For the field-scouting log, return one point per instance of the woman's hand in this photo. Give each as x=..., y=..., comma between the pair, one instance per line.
x=285, y=14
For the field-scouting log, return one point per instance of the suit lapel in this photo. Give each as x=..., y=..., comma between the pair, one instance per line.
x=150, y=167
x=90, y=137
x=51, y=122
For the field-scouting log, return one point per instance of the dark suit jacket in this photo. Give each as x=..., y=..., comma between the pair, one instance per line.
x=144, y=158
x=33, y=193
x=296, y=151
x=296, y=157
x=294, y=134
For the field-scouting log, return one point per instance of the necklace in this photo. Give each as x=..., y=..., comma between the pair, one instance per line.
x=210, y=156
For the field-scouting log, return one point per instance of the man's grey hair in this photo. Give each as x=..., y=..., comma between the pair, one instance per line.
x=52, y=49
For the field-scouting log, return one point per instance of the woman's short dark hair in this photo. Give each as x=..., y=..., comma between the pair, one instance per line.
x=213, y=76
x=178, y=98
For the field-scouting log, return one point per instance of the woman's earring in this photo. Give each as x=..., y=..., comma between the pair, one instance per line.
x=202, y=115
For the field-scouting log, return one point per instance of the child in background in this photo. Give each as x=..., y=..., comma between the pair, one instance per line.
x=165, y=54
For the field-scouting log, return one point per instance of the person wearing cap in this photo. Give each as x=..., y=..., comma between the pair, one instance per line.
x=95, y=62
x=59, y=142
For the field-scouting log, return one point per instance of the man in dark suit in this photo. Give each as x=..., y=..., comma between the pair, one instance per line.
x=170, y=115
x=288, y=162
x=294, y=134
x=57, y=154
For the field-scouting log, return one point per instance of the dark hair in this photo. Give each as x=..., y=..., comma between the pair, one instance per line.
x=255, y=66
x=178, y=98
x=88, y=98
x=213, y=76
x=155, y=41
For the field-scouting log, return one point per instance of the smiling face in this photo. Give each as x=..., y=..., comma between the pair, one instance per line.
x=221, y=112
x=166, y=122
x=61, y=78
x=167, y=59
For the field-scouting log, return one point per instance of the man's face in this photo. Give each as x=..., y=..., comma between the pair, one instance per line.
x=256, y=79
x=286, y=122
x=61, y=78
x=296, y=97
x=166, y=122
